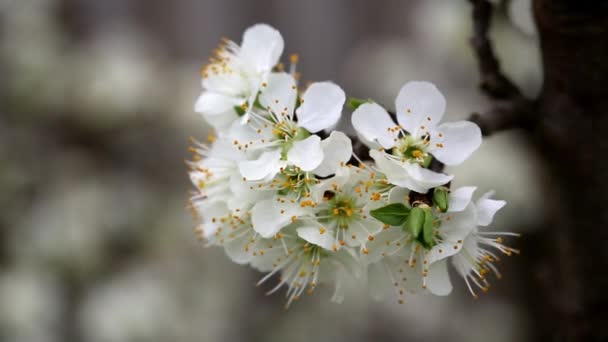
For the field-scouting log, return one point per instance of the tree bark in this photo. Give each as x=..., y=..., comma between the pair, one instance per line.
x=568, y=292
x=574, y=282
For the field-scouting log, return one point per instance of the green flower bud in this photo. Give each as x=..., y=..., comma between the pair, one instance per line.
x=415, y=221
x=354, y=103
x=429, y=228
x=440, y=198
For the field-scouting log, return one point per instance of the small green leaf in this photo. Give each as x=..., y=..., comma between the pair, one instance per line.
x=393, y=214
x=239, y=110
x=415, y=221
x=429, y=228
x=440, y=198
x=354, y=103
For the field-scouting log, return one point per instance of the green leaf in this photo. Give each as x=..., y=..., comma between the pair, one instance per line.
x=415, y=221
x=354, y=103
x=393, y=214
x=429, y=228
x=440, y=198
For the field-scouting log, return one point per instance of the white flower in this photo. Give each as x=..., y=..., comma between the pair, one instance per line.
x=304, y=265
x=335, y=214
x=420, y=107
x=234, y=76
x=397, y=249
x=286, y=142
x=475, y=259
x=215, y=173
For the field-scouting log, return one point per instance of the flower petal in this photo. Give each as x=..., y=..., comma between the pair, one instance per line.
x=267, y=165
x=217, y=109
x=229, y=84
x=438, y=279
x=212, y=212
x=317, y=236
x=269, y=216
x=236, y=251
x=393, y=170
x=337, y=150
x=382, y=245
x=321, y=107
x=486, y=209
x=459, y=140
x=372, y=123
x=306, y=154
x=418, y=102
x=398, y=195
x=460, y=198
x=425, y=179
x=262, y=47
x=451, y=232
x=279, y=94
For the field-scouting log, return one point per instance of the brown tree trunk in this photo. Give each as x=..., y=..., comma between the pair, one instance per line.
x=571, y=285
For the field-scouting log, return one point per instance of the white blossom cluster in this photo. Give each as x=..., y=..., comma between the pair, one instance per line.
x=276, y=189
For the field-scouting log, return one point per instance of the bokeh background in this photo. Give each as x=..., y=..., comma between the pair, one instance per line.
x=96, y=105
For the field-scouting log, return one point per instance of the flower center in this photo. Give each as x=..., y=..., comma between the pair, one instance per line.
x=412, y=149
x=287, y=132
x=343, y=210
x=292, y=180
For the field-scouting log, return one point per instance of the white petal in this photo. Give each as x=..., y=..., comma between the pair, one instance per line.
x=486, y=209
x=408, y=175
x=459, y=140
x=418, y=102
x=262, y=47
x=456, y=229
x=372, y=123
x=267, y=165
x=229, y=84
x=322, y=106
x=212, y=212
x=460, y=198
x=269, y=216
x=337, y=150
x=398, y=195
x=317, y=236
x=425, y=179
x=235, y=249
x=279, y=94
x=383, y=244
x=307, y=154
x=218, y=110
x=393, y=170
x=438, y=280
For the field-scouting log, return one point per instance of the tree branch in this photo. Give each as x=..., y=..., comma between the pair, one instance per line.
x=493, y=82
x=513, y=109
x=517, y=113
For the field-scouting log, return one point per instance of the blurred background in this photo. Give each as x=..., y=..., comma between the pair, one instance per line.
x=96, y=105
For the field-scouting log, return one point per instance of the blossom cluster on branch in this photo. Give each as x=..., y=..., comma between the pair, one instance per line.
x=282, y=191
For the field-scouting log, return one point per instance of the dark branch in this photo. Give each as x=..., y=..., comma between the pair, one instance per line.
x=513, y=109
x=493, y=82
x=505, y=115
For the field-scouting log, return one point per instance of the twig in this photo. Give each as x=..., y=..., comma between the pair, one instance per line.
x=493, y=82
x=517, y=113
x=512, y=109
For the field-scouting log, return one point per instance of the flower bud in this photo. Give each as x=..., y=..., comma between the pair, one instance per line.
x=440, y=198
x=428, y=229
x=415, y=221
